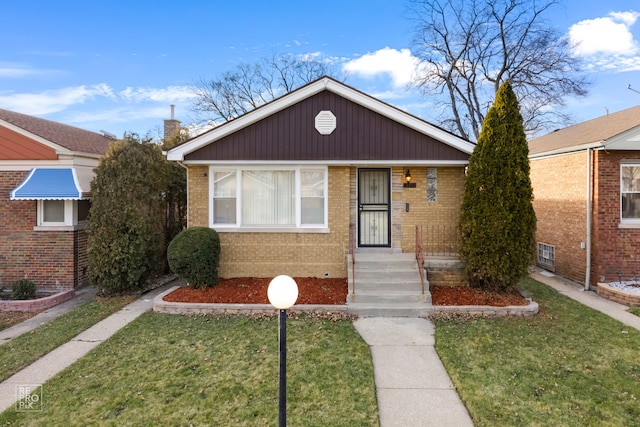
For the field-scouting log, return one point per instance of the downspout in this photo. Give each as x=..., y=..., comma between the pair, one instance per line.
x=589, y=192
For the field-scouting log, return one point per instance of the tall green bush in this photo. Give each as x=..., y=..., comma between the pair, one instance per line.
x=126, y=222
x=194, y=254
x=497, y=222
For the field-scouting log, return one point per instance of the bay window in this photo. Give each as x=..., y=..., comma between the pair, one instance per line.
x=267, y=197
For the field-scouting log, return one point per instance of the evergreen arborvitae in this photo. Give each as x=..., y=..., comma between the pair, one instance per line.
x=126, y=221
x=497, y=222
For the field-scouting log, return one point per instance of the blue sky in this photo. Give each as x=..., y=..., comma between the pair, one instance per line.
x=118, y=65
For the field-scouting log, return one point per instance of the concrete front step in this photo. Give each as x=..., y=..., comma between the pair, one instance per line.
x=389, y=298
x=394, y=275
x=387, y=285
x=396, y=310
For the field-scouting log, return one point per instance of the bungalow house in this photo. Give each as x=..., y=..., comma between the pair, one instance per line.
x=45, y=172
x=586, y=184
x=292, y=185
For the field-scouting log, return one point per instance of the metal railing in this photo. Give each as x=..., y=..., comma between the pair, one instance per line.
x=352, y=237
x=420, y=255
x=439, y=240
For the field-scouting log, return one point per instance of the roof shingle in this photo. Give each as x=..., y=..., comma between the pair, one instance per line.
x=69, y=137
x=599, y=129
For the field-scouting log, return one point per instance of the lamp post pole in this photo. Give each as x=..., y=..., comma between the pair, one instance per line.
x=282, y=397
x=282, y=293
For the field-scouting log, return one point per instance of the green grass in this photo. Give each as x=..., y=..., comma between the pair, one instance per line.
x=202, y=370
x=29, y=347
x=568, y=366
x=635, y=310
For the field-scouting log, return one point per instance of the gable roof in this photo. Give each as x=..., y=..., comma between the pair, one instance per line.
x=55, y=135
x=615, y=131
x=307, y=92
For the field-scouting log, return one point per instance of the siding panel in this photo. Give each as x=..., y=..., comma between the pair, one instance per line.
x=361, y=134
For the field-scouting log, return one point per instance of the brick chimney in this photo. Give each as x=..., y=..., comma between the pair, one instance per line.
x=171, y=126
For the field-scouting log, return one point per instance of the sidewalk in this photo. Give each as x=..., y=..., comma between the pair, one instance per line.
x=588, y=298
x=82, y=295
x=412, y=386
x=62, y=357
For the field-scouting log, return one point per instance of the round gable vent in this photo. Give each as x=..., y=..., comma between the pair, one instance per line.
x=325, y=122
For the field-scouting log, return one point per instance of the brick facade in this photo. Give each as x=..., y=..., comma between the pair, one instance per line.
x=560, y=200
x=52, y=259
x=319, y=254
x=438, y=220
x=615, y=248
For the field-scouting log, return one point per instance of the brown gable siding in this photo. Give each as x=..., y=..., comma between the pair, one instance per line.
x=14, y=146
x=361, y=134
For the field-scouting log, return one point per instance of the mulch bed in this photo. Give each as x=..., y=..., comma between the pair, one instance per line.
x=313, y=290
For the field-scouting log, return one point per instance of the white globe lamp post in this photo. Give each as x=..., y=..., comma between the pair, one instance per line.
x=282, y=294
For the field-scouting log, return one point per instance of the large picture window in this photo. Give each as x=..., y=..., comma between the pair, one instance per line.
x=630, y=192
x=264, y=197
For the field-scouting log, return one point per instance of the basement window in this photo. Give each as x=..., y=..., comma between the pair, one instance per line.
x=547, y=256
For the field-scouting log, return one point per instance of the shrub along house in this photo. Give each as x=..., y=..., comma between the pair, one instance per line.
x=45, y=172
x=586, y=184
x=290, y=185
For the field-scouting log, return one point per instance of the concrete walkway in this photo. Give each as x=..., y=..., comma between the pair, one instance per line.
x=413, y=388
x=82, y=295
x=589, y=298
x=62, y=357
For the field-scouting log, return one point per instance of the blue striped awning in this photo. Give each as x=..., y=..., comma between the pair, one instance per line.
x=49, y=184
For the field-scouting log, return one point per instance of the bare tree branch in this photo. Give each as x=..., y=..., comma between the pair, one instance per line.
x=249, y=86
x=468, y=48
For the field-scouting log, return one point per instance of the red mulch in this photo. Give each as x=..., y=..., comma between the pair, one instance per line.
x=462, y=295
x=313, y=290
x=253, y=290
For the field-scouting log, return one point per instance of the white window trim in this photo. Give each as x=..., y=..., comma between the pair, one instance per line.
x=627, y=222
x=70, y=222
x=297, y=228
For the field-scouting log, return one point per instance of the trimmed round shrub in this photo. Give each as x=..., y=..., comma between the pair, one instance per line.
x=23, y=289
x=194, y=255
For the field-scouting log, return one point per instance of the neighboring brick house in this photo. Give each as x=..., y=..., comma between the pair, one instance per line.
x=291, y=183
x=45, y=172
x=586, y=184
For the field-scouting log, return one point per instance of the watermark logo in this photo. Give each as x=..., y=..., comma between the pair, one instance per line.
x=29, y=398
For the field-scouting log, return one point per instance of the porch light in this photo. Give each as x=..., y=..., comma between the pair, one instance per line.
x=282, y=294
x=407, y=180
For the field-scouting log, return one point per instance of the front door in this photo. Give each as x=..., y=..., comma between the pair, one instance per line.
x=374, y=208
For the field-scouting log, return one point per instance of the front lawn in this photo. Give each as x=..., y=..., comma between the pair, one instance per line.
x=29, y=347
x=568, y=366
x=164, y=369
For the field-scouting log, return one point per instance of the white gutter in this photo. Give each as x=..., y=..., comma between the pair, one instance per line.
x=588, y=254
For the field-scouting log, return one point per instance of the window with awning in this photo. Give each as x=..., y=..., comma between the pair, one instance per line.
x=62, y=195
x=51, y=184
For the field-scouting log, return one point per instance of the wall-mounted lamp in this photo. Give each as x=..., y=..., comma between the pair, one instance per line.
x=407, y=180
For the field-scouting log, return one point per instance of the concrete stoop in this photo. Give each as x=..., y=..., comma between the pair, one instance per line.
x=387, y=285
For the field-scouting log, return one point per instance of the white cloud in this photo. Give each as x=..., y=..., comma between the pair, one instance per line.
x=400, y=65
x=609, y=35
x=10, y=70
x=53, y=100
x=168, y=94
